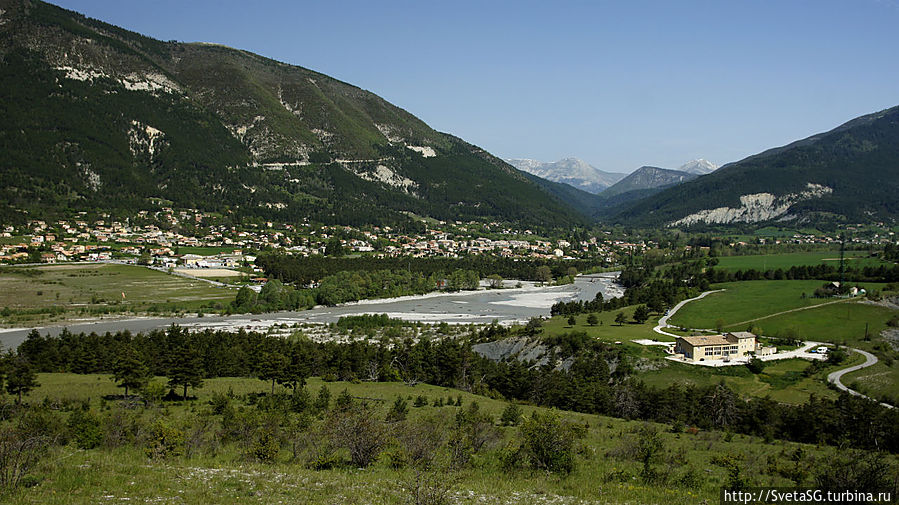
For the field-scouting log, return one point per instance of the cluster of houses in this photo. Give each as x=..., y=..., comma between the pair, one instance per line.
x=80, y=239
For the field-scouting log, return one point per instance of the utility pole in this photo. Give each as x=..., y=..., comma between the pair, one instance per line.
x=842, y=261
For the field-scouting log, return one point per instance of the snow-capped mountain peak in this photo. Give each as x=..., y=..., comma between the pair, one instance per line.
x=699, y=167
x=572, y=171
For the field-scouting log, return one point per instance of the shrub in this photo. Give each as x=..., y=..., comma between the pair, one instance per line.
x=398, y=411
x=165, y=441
x=548, y=441
x=18, y=455
x=358, y=431
x=756, y=365
x=511, y=415
x=84, y=428
x=266, y=445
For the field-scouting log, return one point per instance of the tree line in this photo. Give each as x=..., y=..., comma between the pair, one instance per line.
x=580, y=374
x=307, y=270
x=347, y=286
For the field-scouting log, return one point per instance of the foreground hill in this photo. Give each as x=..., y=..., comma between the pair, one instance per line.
x=97, y=117
x=849, y=173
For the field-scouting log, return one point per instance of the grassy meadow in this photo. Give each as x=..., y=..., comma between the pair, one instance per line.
x=783, y=381
x=50, y=293
x=607, y=469
x=880, y=381
x=854, y=259
x=741, y=302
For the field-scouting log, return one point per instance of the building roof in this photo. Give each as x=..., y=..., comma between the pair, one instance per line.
x=702, y=341
x=742, y=334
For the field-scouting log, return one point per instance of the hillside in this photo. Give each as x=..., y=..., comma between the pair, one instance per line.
x=645, y=178
x=97, y=117
x=571, y=171
x=850, y=173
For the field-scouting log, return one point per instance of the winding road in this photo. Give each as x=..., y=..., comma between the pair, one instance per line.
x=834, y=377
x=663, y=321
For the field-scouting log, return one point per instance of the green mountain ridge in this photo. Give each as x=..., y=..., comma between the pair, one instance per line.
x=98, y=117
x=848, y=174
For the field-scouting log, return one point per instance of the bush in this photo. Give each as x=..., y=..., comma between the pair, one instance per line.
x=266, y=445
x=548, y=442
x=398, y=411
x=18, y=455
x=358, y=431
x=165, y=441
x=84, y=427
x=420, y=440
x=756, y=365
x=511, y=415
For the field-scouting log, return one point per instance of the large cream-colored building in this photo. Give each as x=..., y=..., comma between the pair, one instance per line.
x=728, y=346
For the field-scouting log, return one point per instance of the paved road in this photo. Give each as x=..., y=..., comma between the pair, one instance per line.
x=663, y=321
x=835, y=377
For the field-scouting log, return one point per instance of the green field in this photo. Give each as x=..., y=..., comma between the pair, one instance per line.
x=782, y=381
x=606, y=470
x=744, y=301
x=607, y=330
x=786, y=260
x=53, y=292
x=880, y=381
x=842, y=323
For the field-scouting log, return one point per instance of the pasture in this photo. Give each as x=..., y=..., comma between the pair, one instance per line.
x=52, y=292
x=763, y=262
x=606, y=470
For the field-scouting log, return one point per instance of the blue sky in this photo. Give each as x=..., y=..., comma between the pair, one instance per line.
x=618, y=84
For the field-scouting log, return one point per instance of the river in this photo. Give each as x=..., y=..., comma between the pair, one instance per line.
x=505, y=306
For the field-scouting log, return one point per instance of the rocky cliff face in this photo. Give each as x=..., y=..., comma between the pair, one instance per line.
x=850, y=173
x=755, y=208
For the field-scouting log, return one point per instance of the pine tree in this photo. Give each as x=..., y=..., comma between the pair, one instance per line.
x=185, y=368
x=21, y=378
x=129, y=370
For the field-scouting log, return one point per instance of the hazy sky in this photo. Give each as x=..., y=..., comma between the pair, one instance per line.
x=618, y=84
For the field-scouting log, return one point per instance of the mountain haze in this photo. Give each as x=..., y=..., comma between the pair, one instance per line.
x=98, y=117
x=571, y=171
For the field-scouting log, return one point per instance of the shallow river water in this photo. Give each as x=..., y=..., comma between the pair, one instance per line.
x=502, y=305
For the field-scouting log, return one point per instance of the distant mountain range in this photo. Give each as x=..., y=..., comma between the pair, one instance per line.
x=848, y=174
x=96, y=117
x=571, y=171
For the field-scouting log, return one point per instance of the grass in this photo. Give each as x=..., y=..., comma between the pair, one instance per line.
x=31, y=293
x=125, y=475
x=841, y=323
x=762, y=262
x=781, y=380
x=607, y=330
x=880, y=381
x=744, y=301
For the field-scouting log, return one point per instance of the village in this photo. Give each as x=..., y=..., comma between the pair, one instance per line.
x=193, y=238
x=171, y=231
